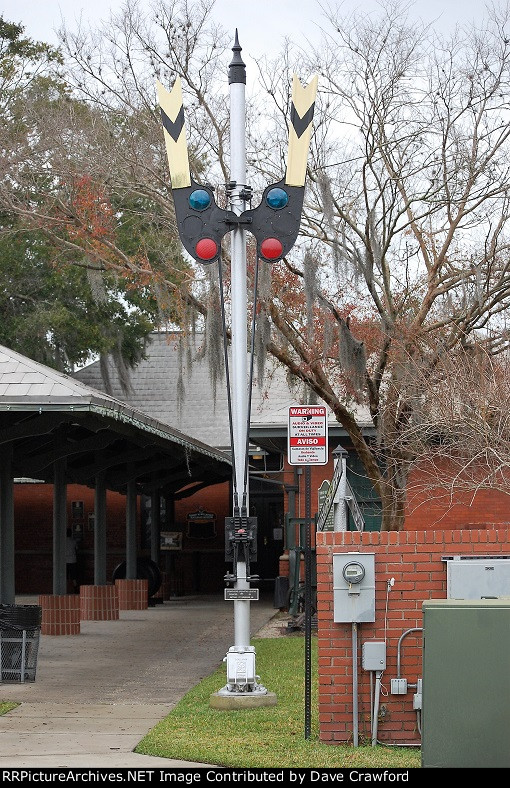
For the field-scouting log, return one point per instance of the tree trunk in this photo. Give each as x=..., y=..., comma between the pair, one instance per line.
x=393, y=502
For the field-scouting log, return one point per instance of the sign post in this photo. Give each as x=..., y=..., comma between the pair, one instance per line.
x=308, y=445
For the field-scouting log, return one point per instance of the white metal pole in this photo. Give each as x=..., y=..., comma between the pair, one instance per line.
x=242, y=681
x=355, y=683
x=340, y=504
x=237, y=82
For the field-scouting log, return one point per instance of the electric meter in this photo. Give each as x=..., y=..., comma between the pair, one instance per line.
x=353, y=572
x=353, y=587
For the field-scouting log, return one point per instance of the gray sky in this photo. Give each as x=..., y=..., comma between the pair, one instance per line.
x=262, y=24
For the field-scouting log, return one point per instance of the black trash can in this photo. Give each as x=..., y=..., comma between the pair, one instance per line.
x=20, y=629
x=281, y=592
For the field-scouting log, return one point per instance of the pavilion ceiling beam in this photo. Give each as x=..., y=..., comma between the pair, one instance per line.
x=94, y=443
x=42, y=424
x=180, y=494
x=141, y=470
x=106, y=463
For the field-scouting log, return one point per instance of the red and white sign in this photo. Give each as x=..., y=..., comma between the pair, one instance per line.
x=307, y=435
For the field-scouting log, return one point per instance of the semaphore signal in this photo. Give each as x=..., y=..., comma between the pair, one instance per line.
x=274, y=222
x=275, y=225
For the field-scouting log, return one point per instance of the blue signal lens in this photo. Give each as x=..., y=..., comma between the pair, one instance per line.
x=277, y=198
x=199, y=200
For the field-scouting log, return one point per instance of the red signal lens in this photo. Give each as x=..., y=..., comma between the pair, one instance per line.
x=206, y=249
x=271, y=248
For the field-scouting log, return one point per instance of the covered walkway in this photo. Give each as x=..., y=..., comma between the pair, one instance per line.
x=57, y=430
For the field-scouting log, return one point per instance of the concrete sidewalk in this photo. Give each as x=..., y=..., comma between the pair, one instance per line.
x=97, y=694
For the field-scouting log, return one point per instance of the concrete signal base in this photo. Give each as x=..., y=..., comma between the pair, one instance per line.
x=231, y=701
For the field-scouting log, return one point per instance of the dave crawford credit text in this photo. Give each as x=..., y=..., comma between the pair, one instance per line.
x=187, y=777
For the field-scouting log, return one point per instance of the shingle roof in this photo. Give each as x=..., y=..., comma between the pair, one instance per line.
x=26, y=385
x=202, y=413
x=22, y=377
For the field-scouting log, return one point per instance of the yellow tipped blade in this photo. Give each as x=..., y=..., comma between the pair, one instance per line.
x=301, y=116
x=172, y=116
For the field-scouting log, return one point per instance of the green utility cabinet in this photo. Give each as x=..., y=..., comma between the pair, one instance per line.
x=466, y=683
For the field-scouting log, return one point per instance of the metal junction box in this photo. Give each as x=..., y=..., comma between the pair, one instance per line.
x=466, y=683
x=373, y=655
x=353, y=587
x=241, y=666
x=477, y=577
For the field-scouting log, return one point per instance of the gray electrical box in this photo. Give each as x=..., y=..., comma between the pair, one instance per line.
x=477, y=577
x=466, y=683
x=353, y=587
x=373, y=655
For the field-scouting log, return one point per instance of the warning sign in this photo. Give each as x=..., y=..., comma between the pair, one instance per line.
x=307, y=435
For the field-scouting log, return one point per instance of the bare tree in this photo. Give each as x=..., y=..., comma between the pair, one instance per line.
x=403, y=259
x=457, y=439
x=409, y=193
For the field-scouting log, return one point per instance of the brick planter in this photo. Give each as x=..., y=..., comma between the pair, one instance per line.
x=99, y=603
x=60, y=614
x=133, y=594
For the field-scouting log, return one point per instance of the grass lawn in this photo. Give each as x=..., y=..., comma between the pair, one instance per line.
x=5, y=707
x=268, y=737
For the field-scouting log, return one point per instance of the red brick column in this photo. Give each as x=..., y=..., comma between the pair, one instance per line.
x=283, y=565
x=99, y=603
x=60, y=614
x=133, y=594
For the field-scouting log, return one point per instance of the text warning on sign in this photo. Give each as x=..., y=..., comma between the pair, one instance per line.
x=307, y=435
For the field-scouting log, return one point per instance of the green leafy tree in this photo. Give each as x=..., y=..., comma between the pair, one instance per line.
x=76, y=270
x=60, y=314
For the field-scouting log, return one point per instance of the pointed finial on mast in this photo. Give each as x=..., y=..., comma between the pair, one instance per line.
x=237, y=68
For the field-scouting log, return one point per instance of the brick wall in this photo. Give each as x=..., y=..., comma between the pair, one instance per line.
x=200, y=565
x=33, y=514
x=435, y=499
x=413, y=558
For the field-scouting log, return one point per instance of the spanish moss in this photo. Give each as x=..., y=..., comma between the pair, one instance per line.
x=213, y=340
x=97, y=286
x=328, y=337
x=310, y=269
x=122, y=368
x=329, y=212
x=105, y=373
x=180, y=393
x=180, y=388
x=262, y=337
x=352, y=357
x=263, y=324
